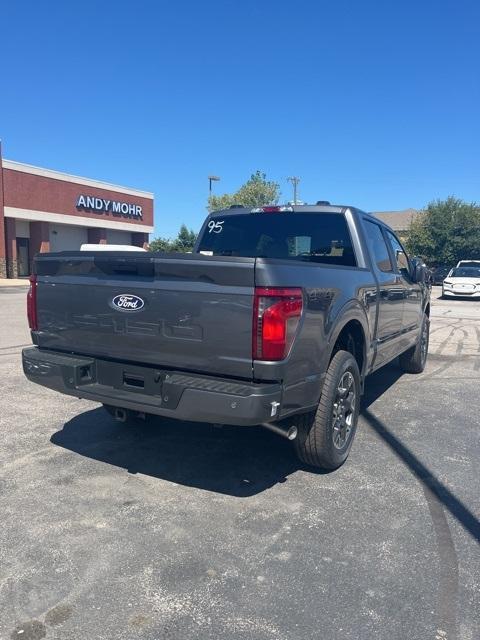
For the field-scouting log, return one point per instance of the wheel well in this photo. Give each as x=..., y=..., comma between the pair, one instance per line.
x=352, y=339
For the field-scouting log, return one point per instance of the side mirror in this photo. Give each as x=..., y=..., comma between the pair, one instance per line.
x=418, y=270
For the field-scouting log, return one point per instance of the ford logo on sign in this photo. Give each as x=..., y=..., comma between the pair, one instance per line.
x=128, y=302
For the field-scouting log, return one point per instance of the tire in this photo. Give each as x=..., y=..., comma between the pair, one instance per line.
x=415, y=359
x=321, y=440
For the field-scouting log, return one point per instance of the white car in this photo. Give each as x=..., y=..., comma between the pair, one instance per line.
x=468, y=263
x=462, y=281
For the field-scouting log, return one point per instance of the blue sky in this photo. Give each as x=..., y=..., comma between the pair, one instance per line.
x=372, y=103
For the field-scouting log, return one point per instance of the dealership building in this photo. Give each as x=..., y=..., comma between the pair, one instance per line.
x=43, y=210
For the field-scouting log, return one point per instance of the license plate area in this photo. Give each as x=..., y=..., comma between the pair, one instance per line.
x=137, y=379
x=147, y=381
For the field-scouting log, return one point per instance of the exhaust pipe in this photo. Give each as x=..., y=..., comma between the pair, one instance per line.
x=120, y=415
x=287, y=431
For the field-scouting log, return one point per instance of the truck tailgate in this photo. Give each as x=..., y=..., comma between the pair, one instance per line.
x=188, y=312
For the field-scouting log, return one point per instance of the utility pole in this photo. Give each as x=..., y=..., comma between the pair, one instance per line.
x=210, y=180
x=294, y=180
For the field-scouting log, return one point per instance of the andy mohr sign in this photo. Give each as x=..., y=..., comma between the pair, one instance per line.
x=115, y=207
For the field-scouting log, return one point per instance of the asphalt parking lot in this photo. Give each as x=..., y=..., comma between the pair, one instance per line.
x=173, y=531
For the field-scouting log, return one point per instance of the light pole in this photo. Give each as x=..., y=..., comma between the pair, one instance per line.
x=210, y=180
x=294, y=180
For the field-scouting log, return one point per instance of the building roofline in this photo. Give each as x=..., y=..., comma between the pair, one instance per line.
x=68, y=177
x=397, y=220
x=410, y=211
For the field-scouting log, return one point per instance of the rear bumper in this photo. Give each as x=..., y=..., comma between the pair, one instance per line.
x=178, y=395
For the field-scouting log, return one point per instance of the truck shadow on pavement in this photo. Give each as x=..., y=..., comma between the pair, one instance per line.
x=435, y=491
x=238, y=461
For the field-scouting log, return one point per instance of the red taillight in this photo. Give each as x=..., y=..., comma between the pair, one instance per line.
x=32, y=304
x=276, y=314
x=272, y=209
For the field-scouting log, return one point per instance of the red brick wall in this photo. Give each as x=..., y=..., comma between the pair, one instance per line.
x=39, y=239
x=10, y=239
x=29, y=191
x=2, y=220
x=11, y=248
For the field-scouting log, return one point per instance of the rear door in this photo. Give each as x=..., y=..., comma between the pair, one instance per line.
x=412, y=311
x=188, y=312
x=391, y=294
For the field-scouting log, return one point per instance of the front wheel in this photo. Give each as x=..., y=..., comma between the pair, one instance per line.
x=325, y=436
x=415, y=359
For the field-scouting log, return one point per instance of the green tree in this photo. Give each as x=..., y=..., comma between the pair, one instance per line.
x=256, y=192
x=161, y=244
x=447, y=231
x=182, y=243
x=185, y=240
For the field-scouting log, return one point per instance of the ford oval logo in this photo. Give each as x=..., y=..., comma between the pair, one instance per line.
x=128, y=302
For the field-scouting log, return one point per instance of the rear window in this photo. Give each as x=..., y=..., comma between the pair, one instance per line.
x=310, y=237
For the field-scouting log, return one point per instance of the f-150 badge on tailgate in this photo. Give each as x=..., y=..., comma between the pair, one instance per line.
x=128, y=302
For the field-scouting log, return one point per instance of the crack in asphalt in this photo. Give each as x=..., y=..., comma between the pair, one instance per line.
x=439, y=499
x=448, y=565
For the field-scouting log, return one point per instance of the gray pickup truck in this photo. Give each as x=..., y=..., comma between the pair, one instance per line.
x=275, y=319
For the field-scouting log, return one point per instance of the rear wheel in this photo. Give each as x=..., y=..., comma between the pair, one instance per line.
x=325, y=436
x=415, y=359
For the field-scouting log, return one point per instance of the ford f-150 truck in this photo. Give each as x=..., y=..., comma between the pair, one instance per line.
x=275, y=319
